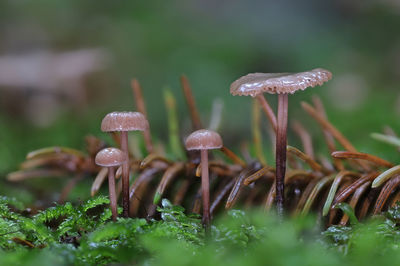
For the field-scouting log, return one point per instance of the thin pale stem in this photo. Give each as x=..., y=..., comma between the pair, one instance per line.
x=281, y=142
x=267, y=110
x=125, y=174
x=205, y=188
x=111, y=192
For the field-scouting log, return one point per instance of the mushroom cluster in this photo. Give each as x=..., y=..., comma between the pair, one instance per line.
x=306, y=182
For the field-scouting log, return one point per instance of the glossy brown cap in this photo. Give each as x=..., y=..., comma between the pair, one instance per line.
x=109, y=157
x=203, y=139
x=124, y=121
x=278, y=83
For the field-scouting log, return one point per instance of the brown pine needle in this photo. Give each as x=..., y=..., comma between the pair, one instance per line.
x=220, y=195
x=334, y=187
x=257, y=133
x=54, y=150
x=330, y=141
x=237, y=187
x=231, y=155
x=335, y=133
x=166, y=179
x=98, y=181
x=307, y=159
x=34, y=173
x=141, y=107
x=385, y=193
x=151, y=158
x=305, y=138
x=257, y=175
x=218, y=168
x=194, y=114
x=388, y=174
x=216, y=114
x=291, y=175
x=269, y=113
x=68, y=188
x=362, y=156
x=138, y=187
x=341, y=197
x=314, y=193
x=180, y=194
x=354, y=200
x=118, y=173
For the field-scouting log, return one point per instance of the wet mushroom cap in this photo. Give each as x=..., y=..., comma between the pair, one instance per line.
x=278, y=83
x=109, y=157
x=124, y=121
x=203, y=139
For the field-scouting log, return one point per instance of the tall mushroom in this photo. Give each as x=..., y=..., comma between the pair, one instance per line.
x=110, y=158
x=282, y=84
x=123, y=122
x=204, y=140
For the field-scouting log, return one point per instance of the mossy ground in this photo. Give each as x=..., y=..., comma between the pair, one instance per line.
x=84, y=235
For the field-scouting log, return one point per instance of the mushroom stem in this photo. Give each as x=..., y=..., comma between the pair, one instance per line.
x=111, y=192
x=125, y=174
x=267, y=110
x=281, y=143
x=205, y=188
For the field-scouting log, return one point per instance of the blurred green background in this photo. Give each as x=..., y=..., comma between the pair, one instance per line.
x=213, y=43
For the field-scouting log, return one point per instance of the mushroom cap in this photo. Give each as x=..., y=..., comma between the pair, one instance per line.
x=203, y=139
x=124, y=121
x=278, y=83
x=109, y=157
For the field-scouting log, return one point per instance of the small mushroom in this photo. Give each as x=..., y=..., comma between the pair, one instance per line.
x=124, y=122
x=282, y=84
x=111, y=158
x=204, y=140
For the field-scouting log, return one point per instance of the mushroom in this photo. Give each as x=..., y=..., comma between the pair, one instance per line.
x=204, y=140
x=124, y=122
x=110, y=158
x=282, y=84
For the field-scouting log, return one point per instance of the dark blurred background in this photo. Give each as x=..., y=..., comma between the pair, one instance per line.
x=65, y=64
